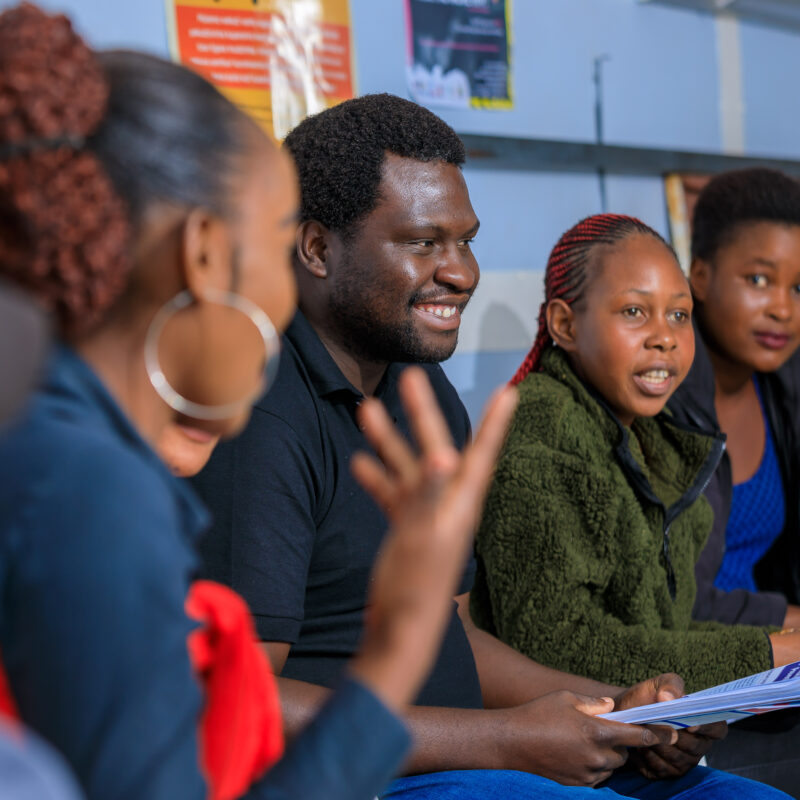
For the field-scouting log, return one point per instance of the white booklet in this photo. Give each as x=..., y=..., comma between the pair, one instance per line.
x=757, y=694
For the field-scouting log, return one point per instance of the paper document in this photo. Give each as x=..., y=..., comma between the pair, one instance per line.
x=757, y=694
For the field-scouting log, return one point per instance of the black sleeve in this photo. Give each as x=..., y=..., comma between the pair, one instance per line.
x=739, y=606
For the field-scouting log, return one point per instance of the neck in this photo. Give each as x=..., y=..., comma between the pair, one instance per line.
x=118, y=360
x=363, y=374
x=730, y=378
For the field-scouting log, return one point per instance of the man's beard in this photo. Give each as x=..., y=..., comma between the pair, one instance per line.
x=369, y=338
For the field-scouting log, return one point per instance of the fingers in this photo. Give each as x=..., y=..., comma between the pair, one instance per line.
x=481, y=455
x=693, y=745
x=428, y=425
x=594, y=705
x=374, y=480
x=391, y=447
x=668, y=686
x=625, y=735
x=714, y=730
x=654, y=766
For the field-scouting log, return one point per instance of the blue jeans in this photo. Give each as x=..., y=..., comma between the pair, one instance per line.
x=487, y=784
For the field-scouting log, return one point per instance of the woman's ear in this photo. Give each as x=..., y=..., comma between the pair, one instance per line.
x=561, y=324
x=312, y=248
x=700, y=279
x=207, y=253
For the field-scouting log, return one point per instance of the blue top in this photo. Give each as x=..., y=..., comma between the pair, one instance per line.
x=30, y=770
x=96, y=556
x=756, y=519
x=296, y=535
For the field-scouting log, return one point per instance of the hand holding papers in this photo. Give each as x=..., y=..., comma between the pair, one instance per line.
x=757, y=694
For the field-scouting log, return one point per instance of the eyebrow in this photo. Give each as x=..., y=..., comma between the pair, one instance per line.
x=764, y=262
x=438, y=229
x=644, y=293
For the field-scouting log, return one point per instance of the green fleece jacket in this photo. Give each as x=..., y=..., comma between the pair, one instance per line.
x=573, y=558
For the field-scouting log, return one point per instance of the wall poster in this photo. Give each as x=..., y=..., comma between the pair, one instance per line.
x=278, y=60
x=459, y=52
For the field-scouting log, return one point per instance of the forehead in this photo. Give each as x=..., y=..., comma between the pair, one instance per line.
x=422, y=193
x=638, y=263
x=772, y=240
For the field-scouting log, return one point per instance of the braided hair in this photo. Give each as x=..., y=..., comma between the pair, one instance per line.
x=567, y=270
x=88, y=143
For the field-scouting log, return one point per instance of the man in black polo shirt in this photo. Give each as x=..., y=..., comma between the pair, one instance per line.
x=385, y=270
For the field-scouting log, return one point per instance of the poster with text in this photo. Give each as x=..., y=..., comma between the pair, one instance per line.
x=279, y=60
x=459, y=52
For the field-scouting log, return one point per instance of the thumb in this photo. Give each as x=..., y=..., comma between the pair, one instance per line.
x=594, y=705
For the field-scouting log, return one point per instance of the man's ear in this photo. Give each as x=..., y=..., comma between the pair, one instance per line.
x=312, y=247
x=561, y=324
x=700, y=279
x=206, y=253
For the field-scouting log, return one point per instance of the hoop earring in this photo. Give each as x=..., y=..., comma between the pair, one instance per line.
x=171, y=396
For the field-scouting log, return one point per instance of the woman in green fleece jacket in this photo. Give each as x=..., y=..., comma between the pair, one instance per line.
x=595, y=520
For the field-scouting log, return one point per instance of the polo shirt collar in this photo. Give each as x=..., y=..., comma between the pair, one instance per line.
x=72, y=385
x=323, y=370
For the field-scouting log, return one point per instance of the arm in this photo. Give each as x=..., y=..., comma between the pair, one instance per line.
x=96, y=652
x=738, y=606
x=509, y=678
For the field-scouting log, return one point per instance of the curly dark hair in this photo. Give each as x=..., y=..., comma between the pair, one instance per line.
x=339, y=154
x=735, y=198
x=87, y=143
x=63, y=229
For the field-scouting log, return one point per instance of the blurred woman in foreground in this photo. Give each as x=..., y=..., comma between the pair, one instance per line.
x=154, y=220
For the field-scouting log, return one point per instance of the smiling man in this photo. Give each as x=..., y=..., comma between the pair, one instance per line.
x=385, y=270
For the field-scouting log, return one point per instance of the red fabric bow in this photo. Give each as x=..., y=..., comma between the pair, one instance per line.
x=241, y=735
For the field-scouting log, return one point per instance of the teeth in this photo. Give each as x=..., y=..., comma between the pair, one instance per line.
x=656, y=375
x=444, y=312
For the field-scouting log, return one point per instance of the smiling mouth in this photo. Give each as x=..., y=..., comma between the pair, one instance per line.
x=441, y=316
x=655, y=382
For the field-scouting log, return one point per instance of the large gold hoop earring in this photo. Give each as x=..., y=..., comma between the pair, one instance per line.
x=174, y=399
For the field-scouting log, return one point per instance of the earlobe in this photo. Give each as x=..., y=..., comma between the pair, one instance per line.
x=206, y=253
x=699, y=279
x=561, y=324
x=312, y=249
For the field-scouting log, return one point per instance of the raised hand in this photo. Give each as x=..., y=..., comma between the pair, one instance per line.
x=433, y=498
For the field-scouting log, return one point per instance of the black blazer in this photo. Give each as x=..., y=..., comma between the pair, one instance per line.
x=778, y=573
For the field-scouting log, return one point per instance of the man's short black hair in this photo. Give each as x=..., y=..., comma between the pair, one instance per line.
x=735, y=198
x=340, y=152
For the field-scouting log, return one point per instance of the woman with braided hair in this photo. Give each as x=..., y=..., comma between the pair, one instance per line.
x=596, y=518
x=153, y=220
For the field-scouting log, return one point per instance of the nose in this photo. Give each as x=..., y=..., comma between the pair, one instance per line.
x=781, y=305
x=458, y=269
x=661, y=336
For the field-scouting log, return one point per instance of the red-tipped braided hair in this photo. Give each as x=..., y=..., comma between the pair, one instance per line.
x=565, y=275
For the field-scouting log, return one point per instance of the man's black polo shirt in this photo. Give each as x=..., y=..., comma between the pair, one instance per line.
x=297, y=536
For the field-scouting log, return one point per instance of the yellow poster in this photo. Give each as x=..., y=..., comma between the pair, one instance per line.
x=279, y=60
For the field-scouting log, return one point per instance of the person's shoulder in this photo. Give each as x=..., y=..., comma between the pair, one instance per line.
x=788, y=377
x=544, y=403
x=69, y=470
x=292, y=388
